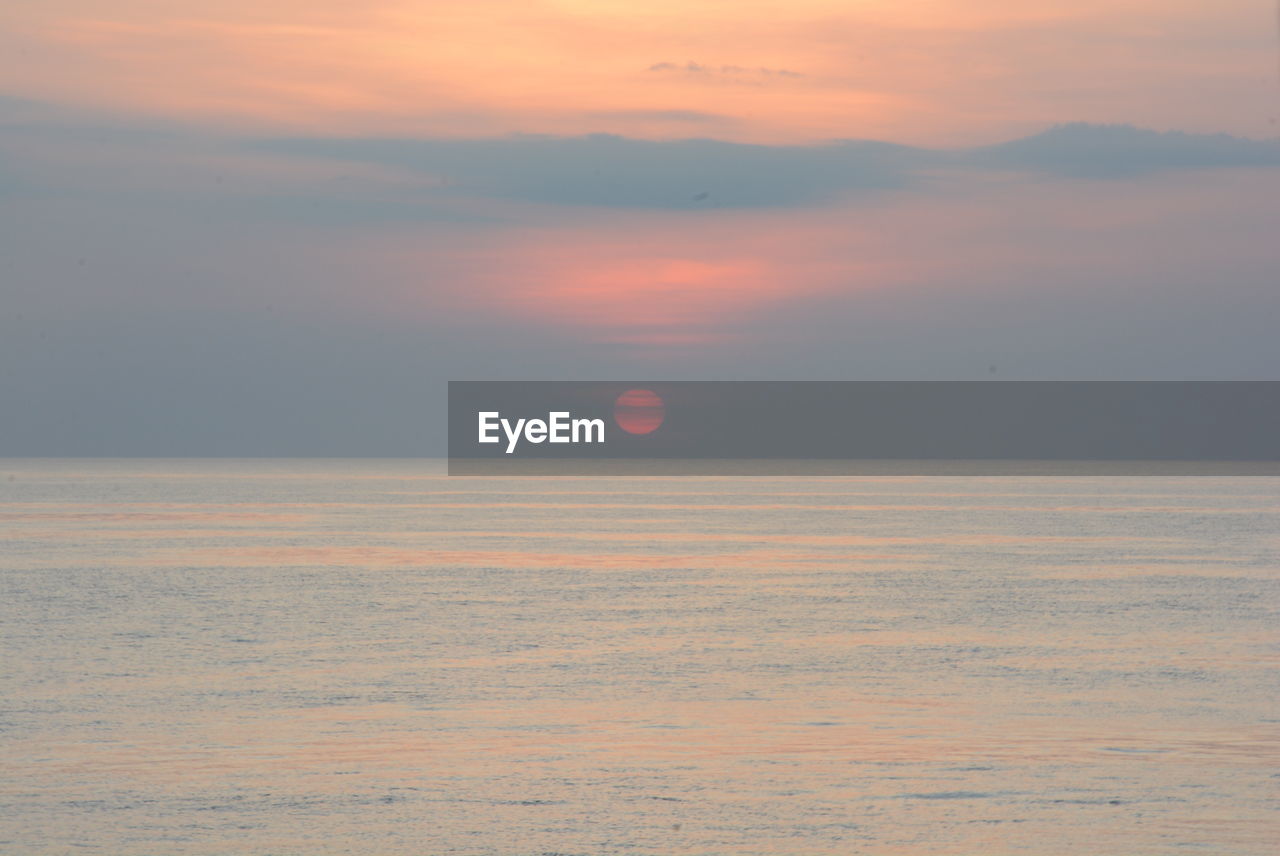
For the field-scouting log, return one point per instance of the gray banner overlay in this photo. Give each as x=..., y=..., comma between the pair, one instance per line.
x=864, y=428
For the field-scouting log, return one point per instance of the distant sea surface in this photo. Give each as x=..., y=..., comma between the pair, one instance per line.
x=369, y=657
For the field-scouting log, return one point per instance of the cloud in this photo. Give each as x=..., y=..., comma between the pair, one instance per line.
x=698, y=68
x=611, y=171
x=690, y=116
x=369, y=179
x=1083, y=150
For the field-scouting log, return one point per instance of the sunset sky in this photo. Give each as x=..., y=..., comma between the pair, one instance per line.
x=277, y=228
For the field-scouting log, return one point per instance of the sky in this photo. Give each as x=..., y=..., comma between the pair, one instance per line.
x=279, y=227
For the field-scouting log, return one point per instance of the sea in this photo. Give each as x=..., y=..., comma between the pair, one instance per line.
x=371, y=657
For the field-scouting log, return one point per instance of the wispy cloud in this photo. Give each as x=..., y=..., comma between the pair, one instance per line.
x=735, y=71
x=693, y=117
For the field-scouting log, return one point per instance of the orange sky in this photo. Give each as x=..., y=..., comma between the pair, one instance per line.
x=930, y=71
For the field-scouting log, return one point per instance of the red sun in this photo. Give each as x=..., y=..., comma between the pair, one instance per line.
x=639, y=411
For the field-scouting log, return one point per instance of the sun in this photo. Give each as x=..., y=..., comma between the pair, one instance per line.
x=639, y=411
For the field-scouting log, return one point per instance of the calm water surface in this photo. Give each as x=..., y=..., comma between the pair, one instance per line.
x=367, y=657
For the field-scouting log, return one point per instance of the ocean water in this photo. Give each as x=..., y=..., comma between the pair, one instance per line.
x=368, y=657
